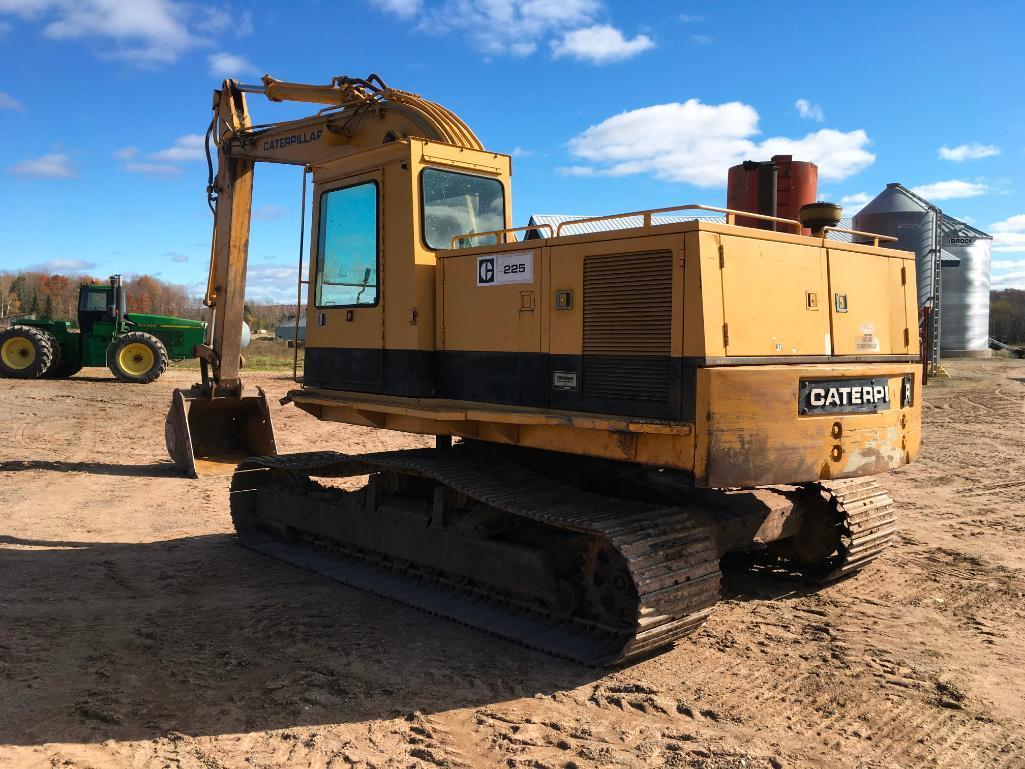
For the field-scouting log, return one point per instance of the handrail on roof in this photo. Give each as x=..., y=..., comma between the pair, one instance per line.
x=496, y=233
x=875, y=236
x=731, y=215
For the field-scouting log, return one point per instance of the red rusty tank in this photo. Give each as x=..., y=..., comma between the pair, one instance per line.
x=778, y=187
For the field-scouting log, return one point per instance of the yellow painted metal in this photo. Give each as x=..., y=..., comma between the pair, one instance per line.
x=18, y=353
x=136, y=358
x=501, y=318
x=868, y=305
x=750, y=432
x=764, y=296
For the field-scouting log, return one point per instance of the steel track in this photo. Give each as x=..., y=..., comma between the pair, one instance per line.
x=670, y=552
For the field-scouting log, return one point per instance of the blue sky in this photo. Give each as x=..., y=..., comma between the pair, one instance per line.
x=605, y=106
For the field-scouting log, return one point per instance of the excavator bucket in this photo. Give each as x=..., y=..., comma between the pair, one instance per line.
x=210, y=436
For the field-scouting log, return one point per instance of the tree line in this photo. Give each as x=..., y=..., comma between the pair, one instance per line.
x=53, y=296
x=1007, y=315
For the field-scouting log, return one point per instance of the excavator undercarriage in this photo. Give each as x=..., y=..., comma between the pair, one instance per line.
x=489, y=540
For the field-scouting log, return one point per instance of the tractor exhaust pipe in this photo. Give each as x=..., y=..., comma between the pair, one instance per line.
x=210, y=436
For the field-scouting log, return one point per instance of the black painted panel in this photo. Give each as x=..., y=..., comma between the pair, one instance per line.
x=639, y=386
x=390, y=372
x=526, y=379
x=493, y=377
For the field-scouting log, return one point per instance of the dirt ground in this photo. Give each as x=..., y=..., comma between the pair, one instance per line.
x=135, y=631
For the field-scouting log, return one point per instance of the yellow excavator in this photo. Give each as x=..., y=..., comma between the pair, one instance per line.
x=633, y=396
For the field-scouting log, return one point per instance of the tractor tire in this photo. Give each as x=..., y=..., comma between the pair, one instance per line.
x=27, y=352
x=53, y=371
x=137, y=357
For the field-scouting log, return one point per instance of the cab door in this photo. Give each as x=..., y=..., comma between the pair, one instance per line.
x=345, y=306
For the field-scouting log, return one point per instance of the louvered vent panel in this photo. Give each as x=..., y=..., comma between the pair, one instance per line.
x=628, y=309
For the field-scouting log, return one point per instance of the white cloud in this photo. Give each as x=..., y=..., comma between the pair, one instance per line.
x=521, y=152
x=174, y=256
x=143, y=32
x=188, y=147
x=687, y=18
x=53, y=166
x=163, y=162
x=1009, y=235
x=854, y=203
x=1008, y=264
x=702, y=39
x=9, y=102
x=497, y=27
x=809, y=111
x=63, y=265
x=696, y=143
x=951, y=189
x=404, y=9
x=964, y=152
x=4, y=27
x=1014, y=279
x=268, y=213
x=153, y=169
x=600, y=44
x=224, y=65
x=271, y=282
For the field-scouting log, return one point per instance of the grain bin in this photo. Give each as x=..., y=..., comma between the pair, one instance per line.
x=953, y=264
x=964, y=331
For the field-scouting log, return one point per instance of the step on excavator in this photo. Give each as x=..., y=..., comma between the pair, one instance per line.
x=632, y=397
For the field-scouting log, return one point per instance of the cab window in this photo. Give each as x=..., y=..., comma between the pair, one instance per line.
x=347, y=247
x=455, y=204
x=91, y=301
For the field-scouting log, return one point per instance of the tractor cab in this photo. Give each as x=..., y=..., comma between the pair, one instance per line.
x=98, y=302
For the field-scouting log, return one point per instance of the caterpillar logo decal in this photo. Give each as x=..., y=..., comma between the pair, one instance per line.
x=497, y=269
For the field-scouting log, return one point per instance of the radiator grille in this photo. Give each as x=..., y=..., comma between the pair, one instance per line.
x=628, y=310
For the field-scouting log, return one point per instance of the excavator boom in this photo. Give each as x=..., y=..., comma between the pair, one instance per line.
x=216, y=423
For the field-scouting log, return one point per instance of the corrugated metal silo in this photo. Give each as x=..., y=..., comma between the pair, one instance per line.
x=965, y=295
x=953, y=264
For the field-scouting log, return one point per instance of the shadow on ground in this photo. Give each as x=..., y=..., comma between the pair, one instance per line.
x=199, y=636
x=152, y=470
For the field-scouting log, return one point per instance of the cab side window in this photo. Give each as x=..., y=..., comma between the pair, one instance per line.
x=347, y=253
x=92, y=301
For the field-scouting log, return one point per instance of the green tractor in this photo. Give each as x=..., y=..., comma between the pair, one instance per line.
x=135, y=347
